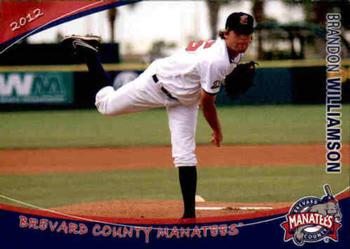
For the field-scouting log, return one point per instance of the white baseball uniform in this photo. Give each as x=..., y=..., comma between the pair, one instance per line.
x=174, y=82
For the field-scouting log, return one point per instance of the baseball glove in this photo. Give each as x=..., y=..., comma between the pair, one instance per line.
x=240, y=79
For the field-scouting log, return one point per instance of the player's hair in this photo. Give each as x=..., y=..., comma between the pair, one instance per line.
x=222, y=33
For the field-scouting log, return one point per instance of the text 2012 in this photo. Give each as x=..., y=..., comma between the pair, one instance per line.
x=24, y=20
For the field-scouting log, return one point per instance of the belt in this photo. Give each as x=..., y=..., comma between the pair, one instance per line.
x=167, y=93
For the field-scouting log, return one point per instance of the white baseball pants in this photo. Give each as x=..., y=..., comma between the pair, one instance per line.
x=142, y=94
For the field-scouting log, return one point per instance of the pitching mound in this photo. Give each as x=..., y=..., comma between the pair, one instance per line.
x=163, y=209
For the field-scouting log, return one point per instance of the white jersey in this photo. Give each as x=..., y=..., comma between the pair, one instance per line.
x=202, y=65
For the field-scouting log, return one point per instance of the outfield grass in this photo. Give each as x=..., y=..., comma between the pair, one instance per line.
x=241, y=125
x=239, y=184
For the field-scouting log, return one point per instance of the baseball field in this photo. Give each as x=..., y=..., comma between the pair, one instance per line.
x=81, y=162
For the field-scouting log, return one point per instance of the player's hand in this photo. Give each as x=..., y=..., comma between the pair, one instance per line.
x=216, y=138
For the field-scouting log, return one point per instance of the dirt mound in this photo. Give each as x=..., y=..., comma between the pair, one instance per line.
x=163, y=209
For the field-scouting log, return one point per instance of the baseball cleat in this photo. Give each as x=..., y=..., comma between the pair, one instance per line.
x=83, y=44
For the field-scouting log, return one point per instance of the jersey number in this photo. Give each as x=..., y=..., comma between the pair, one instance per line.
x=193, y=45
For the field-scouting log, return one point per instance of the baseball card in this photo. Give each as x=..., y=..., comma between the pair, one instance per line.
x=174, y=124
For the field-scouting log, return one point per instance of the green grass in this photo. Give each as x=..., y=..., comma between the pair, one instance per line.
x=87, y=128
x=241, y=184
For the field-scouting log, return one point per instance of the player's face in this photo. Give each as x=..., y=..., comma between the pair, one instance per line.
x=238, y=42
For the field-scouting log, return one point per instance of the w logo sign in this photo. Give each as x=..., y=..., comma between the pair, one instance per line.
x=36, y=88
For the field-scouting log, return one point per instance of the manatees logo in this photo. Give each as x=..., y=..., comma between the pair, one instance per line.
x=313, y=219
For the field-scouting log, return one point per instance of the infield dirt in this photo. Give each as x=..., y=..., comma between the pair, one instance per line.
x=36, y=161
